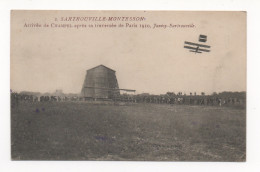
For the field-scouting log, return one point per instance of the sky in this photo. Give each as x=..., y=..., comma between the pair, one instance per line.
x=145, y=59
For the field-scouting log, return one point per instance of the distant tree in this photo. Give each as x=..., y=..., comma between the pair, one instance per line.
x=214, y=93
x=170, y=93
x=241, y=95
x=202, y=93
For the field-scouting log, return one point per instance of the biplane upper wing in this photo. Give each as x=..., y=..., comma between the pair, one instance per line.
x=200, y=45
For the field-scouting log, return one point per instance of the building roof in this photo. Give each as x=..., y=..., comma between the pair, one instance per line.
x=101, y=66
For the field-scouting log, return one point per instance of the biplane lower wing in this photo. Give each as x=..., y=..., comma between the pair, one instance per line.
x=197, y=49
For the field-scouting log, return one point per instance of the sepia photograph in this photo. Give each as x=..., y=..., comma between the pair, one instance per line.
x=128, y=85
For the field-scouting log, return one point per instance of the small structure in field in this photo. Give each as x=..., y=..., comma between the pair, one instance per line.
x=101, y=83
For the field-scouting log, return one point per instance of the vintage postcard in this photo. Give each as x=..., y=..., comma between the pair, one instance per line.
x=128, y=85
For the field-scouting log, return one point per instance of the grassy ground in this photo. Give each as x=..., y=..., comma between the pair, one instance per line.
x=83, y=131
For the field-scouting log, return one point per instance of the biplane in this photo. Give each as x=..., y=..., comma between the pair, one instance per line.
x=194, y=47
x=197, y=48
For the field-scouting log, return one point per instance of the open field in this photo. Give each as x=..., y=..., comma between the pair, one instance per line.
x=84, y=131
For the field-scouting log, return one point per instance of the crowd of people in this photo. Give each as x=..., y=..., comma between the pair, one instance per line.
x=210, y=100
x=183, y=99
x=16, y=98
